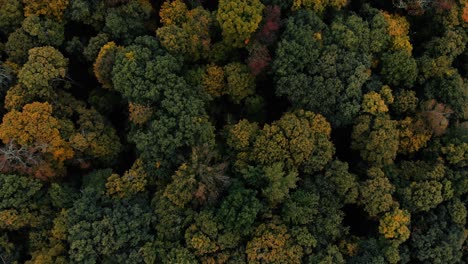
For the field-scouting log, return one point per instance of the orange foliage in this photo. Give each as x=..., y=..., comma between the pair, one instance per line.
x=398, y=28
x=139, y=114
x=49, y=8
x=36, y=128
x=465, y=13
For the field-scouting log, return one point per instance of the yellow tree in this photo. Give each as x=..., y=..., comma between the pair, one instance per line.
x=394, y=225
x=273, y=244
x=238, y=20
x=132, y=182
x=398, y=28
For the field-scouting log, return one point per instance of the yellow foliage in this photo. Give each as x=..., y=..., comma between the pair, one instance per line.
x=394, y=225
x=104, y=63
x=173, y=12
x=318, y=5
x=373, y=103
x=132, y=182
x=272, y=244
x=49, y=8
x=414, y=134
x=213, y=80
x=398, y=28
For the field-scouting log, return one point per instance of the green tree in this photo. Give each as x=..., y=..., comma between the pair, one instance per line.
x=99, y=228
x=376, y=196
x=324, y=73
x=35, y=31
x=399, y=69
x=11, y=14
x=126, y=22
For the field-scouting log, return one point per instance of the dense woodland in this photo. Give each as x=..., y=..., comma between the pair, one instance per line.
x=233, y=131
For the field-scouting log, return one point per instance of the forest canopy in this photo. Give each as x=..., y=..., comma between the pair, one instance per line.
x=233, y=131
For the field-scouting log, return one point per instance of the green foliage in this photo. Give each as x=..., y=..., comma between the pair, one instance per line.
x=399, y=69
x=323, y=68
x=279, y=183
x=35, y=31
x=95, y=43
x=11, y=14
x=435, y=240
x=376, y=195
x=240, y=83
x=44, y=65
x=376, y=139
x=239, y=210
x=299, y=139
x=112, y=230
x=233, y=131
x=125, y=22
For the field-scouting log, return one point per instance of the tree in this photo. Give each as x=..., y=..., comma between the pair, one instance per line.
x=92, y=13
x=36, y=129
x=398, y=28
x=140, y=79
x=405, y=102
x=186, y=33
x=53, y=9
x=94, y=46
x=94, y=138
x=421, y=186
x=11, y=13
x=45, y=66
x=240, y=83
x=436, y=238
x=450, y=90
x=300, y=140
x=126, y=22
x=272, y=243
x=173, y=13
x=394, y=225
x=239, y=210
x=21, y=197
x=376, y=196
x=279, y=183
x=35, y=31
x=201, y=180
x=139, y=114
x=132, y=182
x=146, y=74
x=213, y=80
x=399, y=68
x=238, y=20
x=376, y=138
x=317, y=6
x=109, y=229
x=414, y=135
x=324, y=73
x=104, y=63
